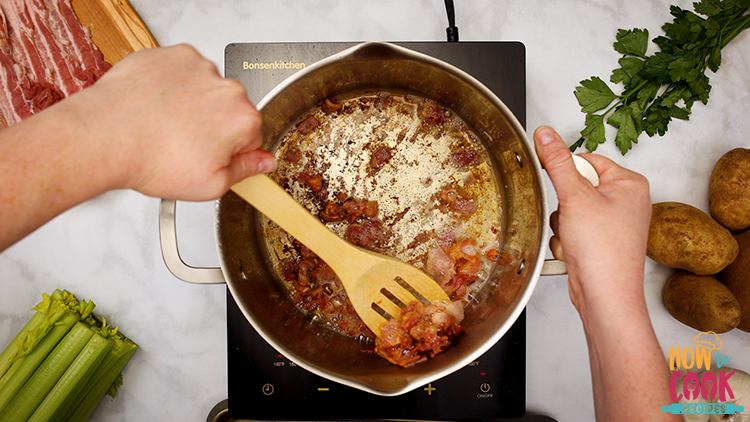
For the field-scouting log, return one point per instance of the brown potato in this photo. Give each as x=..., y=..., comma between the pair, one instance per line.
x=682, y=236
x=701, y=302
x=737, y=278
x=729, y=190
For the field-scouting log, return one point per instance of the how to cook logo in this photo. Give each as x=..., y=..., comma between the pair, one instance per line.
x=692, y=391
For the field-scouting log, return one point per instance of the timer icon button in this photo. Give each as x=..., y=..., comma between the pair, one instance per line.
x=485, y=388
x=268, y=389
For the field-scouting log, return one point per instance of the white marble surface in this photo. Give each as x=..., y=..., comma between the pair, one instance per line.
x=107, y=249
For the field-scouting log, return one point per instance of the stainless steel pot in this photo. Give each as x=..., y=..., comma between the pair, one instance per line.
x=252, y=282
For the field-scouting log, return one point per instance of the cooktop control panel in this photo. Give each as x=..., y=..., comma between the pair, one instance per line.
x=264, y=385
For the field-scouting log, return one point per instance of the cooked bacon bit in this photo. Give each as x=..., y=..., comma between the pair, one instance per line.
x=380, y=156
x=492, y=254
x=332, y=212
x=421, y=332
x=368, y=234
x=448, y=194
x=288, y=271
x=354, y=208
x=308, y=125
x=470, y=267
x=323, y=273
x=329, y=106
x=456, y=287
x=439, y=265
x=432, y=113
x=304, y=251
x=504, y=259
x=317, y=288
x=292, y=156
x=465, y=157
x=464, y=206
x=371, y=209
x=315, y=181
x=447, y=238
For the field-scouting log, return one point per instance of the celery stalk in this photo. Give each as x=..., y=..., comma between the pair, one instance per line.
x=75, y=378
x=11, y=350
x=48, y=311
x=24, y=367
x=103, y=381
x=46, y=376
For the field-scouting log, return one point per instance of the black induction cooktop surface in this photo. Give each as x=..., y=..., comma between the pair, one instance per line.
x=265, y=385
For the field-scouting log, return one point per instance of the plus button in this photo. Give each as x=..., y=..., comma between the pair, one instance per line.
x=429, y=389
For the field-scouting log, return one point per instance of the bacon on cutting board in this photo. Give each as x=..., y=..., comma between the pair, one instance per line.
x=47, y=55
x=14, y=101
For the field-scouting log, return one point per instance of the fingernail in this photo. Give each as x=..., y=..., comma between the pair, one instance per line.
x=545, y=135
x=266, y=165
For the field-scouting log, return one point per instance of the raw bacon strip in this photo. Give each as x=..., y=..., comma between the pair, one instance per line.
x=45, y=55
x=25, y=51
x=49, y=47
x=13, y=102
x=65, y=23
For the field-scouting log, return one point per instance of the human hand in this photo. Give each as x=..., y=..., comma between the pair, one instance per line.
x=601, y=232
x=175, y=128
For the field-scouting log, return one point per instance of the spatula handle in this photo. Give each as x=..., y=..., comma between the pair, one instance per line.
x=269, y=198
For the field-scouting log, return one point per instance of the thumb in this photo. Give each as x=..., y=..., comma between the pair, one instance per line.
x=249, y=164
x=557, y=159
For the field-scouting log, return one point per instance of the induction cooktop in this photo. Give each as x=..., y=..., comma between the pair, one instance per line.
x=264, y=385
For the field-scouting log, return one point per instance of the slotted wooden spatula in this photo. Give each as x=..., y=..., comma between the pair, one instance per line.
x=369, y=278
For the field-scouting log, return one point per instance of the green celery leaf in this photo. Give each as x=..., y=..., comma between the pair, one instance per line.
x=672, y=95
x=633, y=42
x=656, y=120
x=629, y=67
x=627, y=134
x=594, y=131
x=708, y=7
x=681, y=68
x=577, y=144
x=656, y=68
x=714, y=60
x=679, y=113
x=594, y=95
x=701, y=88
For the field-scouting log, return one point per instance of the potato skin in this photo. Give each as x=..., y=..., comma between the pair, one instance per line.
x=701, y=302
x=737, y=278
x=729, y=190
x=682, y=236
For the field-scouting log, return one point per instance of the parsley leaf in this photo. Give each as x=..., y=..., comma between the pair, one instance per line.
x=594, y=95
x=627, y=135
x=662, y=86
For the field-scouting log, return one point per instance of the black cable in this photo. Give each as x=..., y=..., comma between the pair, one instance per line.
x=452, y=29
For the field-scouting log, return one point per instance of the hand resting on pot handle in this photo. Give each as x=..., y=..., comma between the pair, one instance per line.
x=601, y=233
x=162, y=121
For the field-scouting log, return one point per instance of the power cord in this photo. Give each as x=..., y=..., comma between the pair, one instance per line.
x=452, y=29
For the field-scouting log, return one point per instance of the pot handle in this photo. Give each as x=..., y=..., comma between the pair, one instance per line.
x=556, y=266
x=171, y=255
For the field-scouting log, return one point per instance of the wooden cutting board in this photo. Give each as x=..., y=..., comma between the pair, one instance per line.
x=115, y=27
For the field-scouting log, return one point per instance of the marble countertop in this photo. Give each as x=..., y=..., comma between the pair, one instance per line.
x=107, y=249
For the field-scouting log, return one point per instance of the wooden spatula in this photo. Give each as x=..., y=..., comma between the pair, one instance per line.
x=369, y=278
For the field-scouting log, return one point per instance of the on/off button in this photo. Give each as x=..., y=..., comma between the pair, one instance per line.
x=485, y=391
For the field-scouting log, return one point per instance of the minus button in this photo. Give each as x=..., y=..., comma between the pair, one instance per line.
x=323, y=389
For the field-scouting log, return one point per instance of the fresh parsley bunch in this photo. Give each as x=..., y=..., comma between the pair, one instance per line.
x=666, y=84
